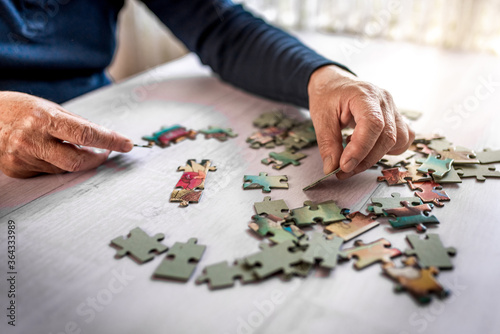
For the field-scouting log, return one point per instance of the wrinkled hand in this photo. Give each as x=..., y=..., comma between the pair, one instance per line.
x=38, y=136
x=337, y=99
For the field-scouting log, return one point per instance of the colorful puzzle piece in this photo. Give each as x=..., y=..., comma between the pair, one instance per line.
x=265, y=182
x=279, y=258
x=393, y=176
x=396, y=160
x=266, y=226
x=324, y=251
x=268, y=137
x=194, y=174
x=480, y=172
x=430, y=251
x=276, y=208
x=414, y=175
x=459, y=155
x=430, y=192
x=367, y=254
x=385, y=203
x=221, y=275
x=283, y=159
x=139, y=246
x=218, y=133
x=420, y=283
x=359, y=223
x=325, y=213
x=173, y=134
x=435, y=166
x=450, y=177
x=180, y=261
x=185, y=196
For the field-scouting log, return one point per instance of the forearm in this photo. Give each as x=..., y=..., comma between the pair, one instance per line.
x=242, y=49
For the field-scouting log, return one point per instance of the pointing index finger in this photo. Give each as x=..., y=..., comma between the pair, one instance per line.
x=82, y=132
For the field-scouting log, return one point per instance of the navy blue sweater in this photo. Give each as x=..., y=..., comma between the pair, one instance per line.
x=59, y=49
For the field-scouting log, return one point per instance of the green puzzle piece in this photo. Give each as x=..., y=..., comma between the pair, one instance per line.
x=325, y=251
x=139, y=245
x=430, y=251
x=277, y=208
x=385, y=203
x=480, y=172
x=265, y=182
x=283, y=159
x=277, y=233
x=180, y=261
x=435, y=166
x=325, y=213
x=221, y=275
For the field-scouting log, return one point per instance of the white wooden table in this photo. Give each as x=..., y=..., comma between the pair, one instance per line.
x=68, y=280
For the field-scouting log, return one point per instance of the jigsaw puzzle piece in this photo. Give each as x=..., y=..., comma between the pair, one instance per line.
x=368, y=254
x=439, y=144
x=180, y=261
x=221, y=275
x=139, y=246
x=435, y=166
x=414, y=175
x=393, y=176
x=268, y=137
x=488, y=156
x=325, y=213
x=450, y=177
x=218, y=133
x=411, y=216
x=194, y=174
x=265, y=182
x=420, y=283
x=266, y=226
x=459, y=155
x=279, y=258
x=391, y=161
x=427, y=138
x=283, y=159
x=480, y=172
x=324, y=251
x=385, y=203
x=276, y=208
x=430, y=251
x=185, y=196
x=173, y=134
x=271, y=118
x=430, y=192
x=359, y=223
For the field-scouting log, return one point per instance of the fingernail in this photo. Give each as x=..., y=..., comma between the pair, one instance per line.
x=350, y=165
x=127, y=145
x=327, y=165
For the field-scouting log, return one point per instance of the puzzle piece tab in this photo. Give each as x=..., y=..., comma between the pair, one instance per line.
x=180, y=261
x=385, y=203
x=139, y=246
x=283, y=159
x=221, y=275
x=430, y=251
x=325, y=213
x=359, y=223
x=265, y=182
x=367, y=254
x=420, y=283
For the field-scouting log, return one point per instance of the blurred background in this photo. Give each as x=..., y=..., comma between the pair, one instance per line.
x=462, y=25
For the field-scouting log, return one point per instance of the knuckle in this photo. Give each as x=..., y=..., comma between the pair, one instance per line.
x=75, y=165
x=85, y=135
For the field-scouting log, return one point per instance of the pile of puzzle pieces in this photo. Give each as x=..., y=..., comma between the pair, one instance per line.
x=294, y=248
x=177, y=133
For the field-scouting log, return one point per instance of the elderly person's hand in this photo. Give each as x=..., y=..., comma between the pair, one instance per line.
x=38, y=136
x=337, y=99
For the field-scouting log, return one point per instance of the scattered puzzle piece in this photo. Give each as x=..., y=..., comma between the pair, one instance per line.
x=304, y=132
x=430, y=192
x=435, y=166
x=488, y=156
x=276, y=208
x=194, y=174
x=139, y=245
x=367, y=254
x=268, y=137
x=418, y=282
x=218, y=133
x=325, y=213
x=459, y=155
x=440, y=144
x=180, y=261
x=427, y=138
x=271, y=118
x=292, y=143
x=173, y=134
x=324, y=251
x=393, y=176
x=396, y=160
x=185, y=196
x=275, y=259
x=414, y=175
x=266, y=226
x=283, y=159
x=480, y=172
x=385, y=203
x=450, y=177
x=411, y=216
x=221, y=275
x=359, y=223
x=430, y=251
x=265, y=182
